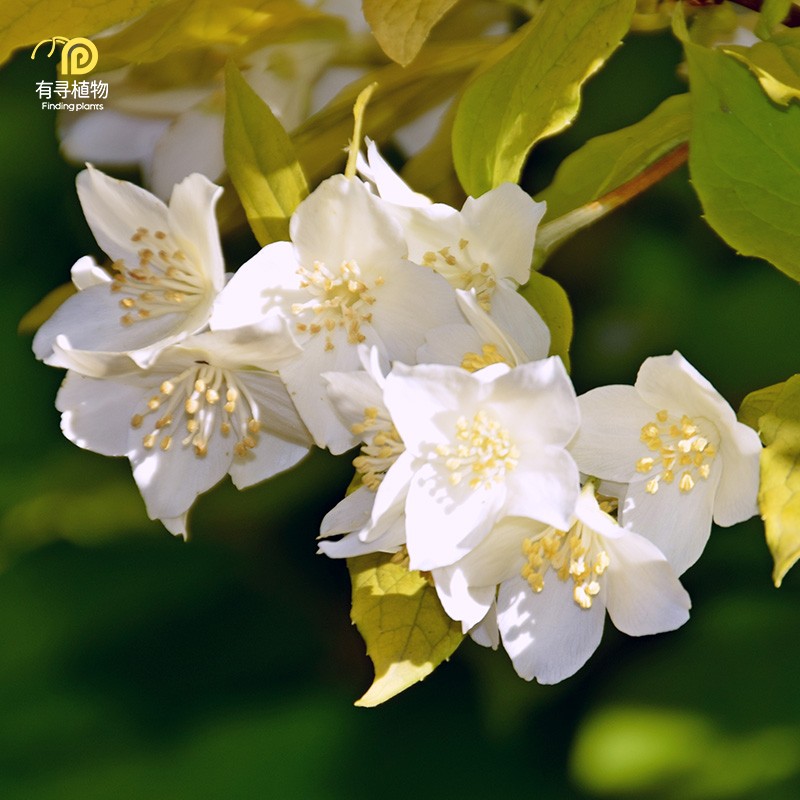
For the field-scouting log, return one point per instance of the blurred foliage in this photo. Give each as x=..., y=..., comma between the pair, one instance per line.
x=135, y=666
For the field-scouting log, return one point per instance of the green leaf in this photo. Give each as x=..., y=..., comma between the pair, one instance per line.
x=402, y=26
x=532, y=88
x=773, y=12
x=744, y=160
x=400, y=618
x=261, y=161
x=23, y=22
x=608, y=161
x=779, y=493
x=758, y=403
x=552, y=303
x=776, y=64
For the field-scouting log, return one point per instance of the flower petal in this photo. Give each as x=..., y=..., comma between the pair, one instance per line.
x=643, y=595
x=546, y=634
x=462, y=601
x=678, y=523
x=608, y=444
x=736, y=498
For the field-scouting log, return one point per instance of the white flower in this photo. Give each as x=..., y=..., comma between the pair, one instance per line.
x=484, y=341
x=678, y=445
x=557, y=585
x=342, y=282
x=479, y=447
x=167, y=264
x=205, y=407
x=358, y=399
x=487, y=246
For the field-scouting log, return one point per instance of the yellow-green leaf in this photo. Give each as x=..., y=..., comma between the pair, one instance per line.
x=608, y=161
x=533, y=89
x=773, y=12
x=402, y=26
x=552, y=303
x=776, y=64
x=402, y=622
x=758, y=403
x=27, y=22
x=744, y=160
x=261, y=161
x=779, y=493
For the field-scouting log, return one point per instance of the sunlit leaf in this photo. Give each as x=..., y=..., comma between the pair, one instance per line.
x=552, y=303
x=532, y=90
x=261, y=161
x=400, y=618
x=776, y=64
x=608, y=161
x=779, y=493
x=744, y=160
x=23, y=22
x=758, y=403
x=772, y=13
x=402, y=26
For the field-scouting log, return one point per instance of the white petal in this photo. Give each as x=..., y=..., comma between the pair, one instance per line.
x=486, y=633
x=390, y=185
x=671, y=382
x=268, y=281
x=96, y=414
x=538, y=402
x=170, y=481
x=309, y=390
x=271, y=455
x=194, y=226
x=351, y=545
x=444, y=522
x=502, y=225
x=448, y=344
x=352, y=393
x=608, y=444
x=425, y=402
x=643, y=595
x=547, y=635
x=350, y=514
x=521, y=323
x=461, y=601
x=544, y=487
x=192, y=143
x=400, y=319
x=115, y=209
x=679, y=524
x=90, y=320
x=341, y=221
x=740, y=451
x=86, y=273
x=391, y=495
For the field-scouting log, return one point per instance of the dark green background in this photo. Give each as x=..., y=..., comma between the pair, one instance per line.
x=135, y=666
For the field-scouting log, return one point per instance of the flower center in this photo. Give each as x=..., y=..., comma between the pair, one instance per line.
x=489, y=355
x=461, y=272
x=381, y=448
x=574, y=555
x=165, y=281
x=199, y=400
x=677, y=446
x=482, y=452
x=339, y=299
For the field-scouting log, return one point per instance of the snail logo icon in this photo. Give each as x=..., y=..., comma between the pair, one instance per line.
x=78, y=55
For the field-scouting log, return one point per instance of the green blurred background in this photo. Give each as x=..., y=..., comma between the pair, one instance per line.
x=135, y=666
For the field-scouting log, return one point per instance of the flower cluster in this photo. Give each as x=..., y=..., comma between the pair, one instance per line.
x=393, y=323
